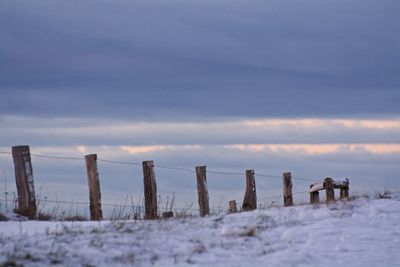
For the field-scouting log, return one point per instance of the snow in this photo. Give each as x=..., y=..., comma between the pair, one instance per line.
x=361, y=232
x=337, y=183
x=316, y=187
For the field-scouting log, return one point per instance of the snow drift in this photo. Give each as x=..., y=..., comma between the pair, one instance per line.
x=361, y=232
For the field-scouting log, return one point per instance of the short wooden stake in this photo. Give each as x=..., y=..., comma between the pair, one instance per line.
x=24, y=181
x=250, y=196
x=330, y=192
x=150, y=191
x=202, y=190
x=232, y=206
x=96, y=213
x=287, y=189
x=344, y=193
x=314, y=197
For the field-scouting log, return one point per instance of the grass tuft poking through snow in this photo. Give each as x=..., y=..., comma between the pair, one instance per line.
x=362, y=232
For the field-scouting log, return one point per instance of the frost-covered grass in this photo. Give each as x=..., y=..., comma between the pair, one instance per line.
x=361, y=232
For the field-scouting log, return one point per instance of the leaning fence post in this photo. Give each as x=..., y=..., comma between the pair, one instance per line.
x=96, y=213
x=24, y=181
x=250, y=196
x=202, y=190
x=287, y=189
x=150, y=191
x=330, y=192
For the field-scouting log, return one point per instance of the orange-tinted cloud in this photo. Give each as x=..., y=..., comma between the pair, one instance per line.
x=318, y=148
x=316, y=123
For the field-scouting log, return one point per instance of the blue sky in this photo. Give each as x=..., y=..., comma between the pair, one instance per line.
x=307, y=86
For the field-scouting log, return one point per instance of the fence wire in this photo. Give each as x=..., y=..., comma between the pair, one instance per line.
x=160, y=166
x=176, y=168
x=46, y=200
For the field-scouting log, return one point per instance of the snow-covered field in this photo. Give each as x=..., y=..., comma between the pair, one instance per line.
x=362, y=232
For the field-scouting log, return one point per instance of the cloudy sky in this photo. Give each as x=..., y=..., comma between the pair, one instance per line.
x=310, y=87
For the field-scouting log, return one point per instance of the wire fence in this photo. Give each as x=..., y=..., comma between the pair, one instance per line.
x=131, y=206
x=164, y=166
x=139, y=209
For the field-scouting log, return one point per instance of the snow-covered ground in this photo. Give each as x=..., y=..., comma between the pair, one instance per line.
x=362, y=232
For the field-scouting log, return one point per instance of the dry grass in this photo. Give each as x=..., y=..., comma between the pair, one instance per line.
x=76, y=218
x=3, y=218
x=383, y=195
x=42, y=216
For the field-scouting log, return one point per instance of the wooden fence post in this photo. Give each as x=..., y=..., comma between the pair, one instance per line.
x=330, y=192
x=202, y=190
x=287, y=189
x=232, y=206
x=96, y=213
x=250, y=196
x=344, y=192
x=150, y=191
x=24, y=181
x=314, y=197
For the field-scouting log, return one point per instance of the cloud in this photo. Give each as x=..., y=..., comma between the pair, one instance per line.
x=81, y=149
x=142, y=149
x=154, y=61
x=96, y=132
x=319, y=123
x=318, y=148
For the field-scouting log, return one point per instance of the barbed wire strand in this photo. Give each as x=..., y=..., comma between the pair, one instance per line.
x=107, y=204
x=56, y=157
x=280, y=177
x=128, y=205
x=119, y=162
x=224, y=173
x=164, y=167
x=268, y=175
x=280, y=196
x=268, y=198
x=174, y=168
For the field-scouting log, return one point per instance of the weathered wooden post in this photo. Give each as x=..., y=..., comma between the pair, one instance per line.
x=250, y=196
x=150, y=191
x=314, y=197
x=344, y=189
x=232, y=206
x=202, y=190
x=287, y=189
x=344, y=193
x=24, y=181
x=96, y=213
x=330, y=192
